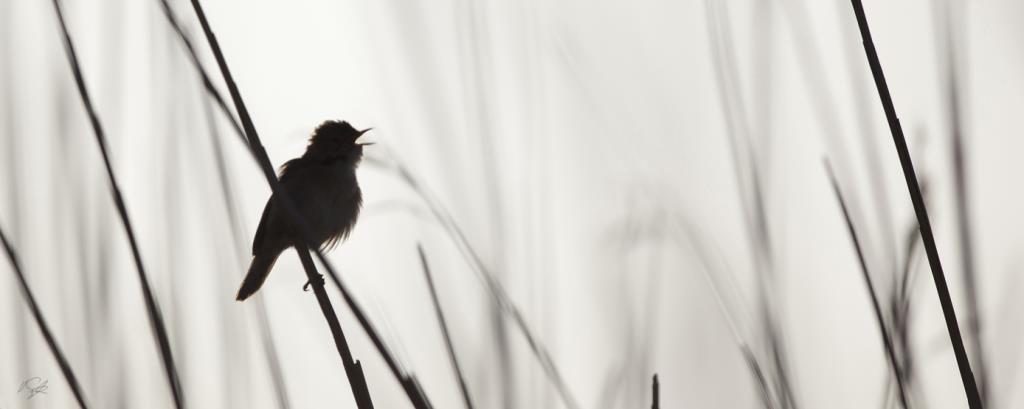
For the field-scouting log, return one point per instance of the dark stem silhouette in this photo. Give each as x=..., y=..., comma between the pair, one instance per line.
x=352, y=367
x=927, y=237
x=875, y=304
x=655, y=395
x=409, y=383
x=357, y=381
x=37, y=314
x=156, y=319
x=444, y=330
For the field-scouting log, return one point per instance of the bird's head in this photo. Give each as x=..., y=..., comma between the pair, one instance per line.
x=336, y=140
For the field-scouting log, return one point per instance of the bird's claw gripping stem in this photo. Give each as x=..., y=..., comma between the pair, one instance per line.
x=319, y=281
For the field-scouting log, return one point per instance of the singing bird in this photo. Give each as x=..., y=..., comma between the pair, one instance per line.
x=322, y=184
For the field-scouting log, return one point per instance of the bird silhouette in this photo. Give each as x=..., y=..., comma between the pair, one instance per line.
x=323, y=186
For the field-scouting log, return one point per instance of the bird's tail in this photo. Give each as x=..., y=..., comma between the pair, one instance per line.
x=258, y=272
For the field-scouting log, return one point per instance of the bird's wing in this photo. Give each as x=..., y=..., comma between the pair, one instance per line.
x=269, y=221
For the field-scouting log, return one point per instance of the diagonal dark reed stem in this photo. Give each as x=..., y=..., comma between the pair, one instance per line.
x=897, y=372
x=156, y=319
x=51, y=342
x=409, y=383
x=353, y=370
x=194, y=57
x=927, y=237
x=864, y=131
x=444, y=329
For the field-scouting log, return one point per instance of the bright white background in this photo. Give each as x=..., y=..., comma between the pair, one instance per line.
x=569, y=139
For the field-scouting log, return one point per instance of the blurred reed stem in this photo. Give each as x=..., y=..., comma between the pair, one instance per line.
x=37, y=314
x=489, y=279
x=269, y=348
x=238, y=237
x=476, y=82
x=155, y=317
x=204, y=76
x=750, y=188
x=955, y=114
x=753, y=365
x=444, y=329
x=876, y=306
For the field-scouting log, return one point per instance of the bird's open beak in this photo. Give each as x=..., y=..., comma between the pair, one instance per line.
x=363, y=132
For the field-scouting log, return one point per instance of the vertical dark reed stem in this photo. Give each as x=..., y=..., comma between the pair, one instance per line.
x=444, y=329
x=655, y=398
x=65, y=367
x=927, y=238
x=875, y=304
x=155, y=317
